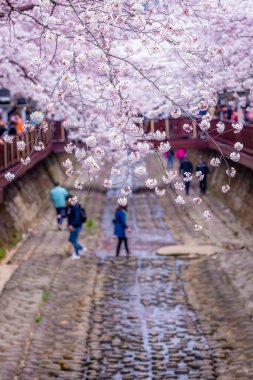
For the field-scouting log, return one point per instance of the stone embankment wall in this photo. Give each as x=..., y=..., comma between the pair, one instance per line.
x=27, y=198
x=240, y=197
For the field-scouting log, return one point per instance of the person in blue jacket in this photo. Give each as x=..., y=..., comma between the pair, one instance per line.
x=120, y=228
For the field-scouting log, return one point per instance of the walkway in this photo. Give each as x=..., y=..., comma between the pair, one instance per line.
x=143, y=317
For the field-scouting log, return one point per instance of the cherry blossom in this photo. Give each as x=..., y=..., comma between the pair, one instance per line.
x=231, y=172
x=215, y=162
x=37, y=117
x=179, y=186
x=80, y=153
x=220, y=127
x=79, y=185
x=91, y=141
x=21, y=145
x=197, y=227
x=134, y=157
x=238, y=146
x=151, y=183
x=115, y=172
x=164, y=147
x=199, y=175
x=126, y=191
x=169, y=176
x=187, y=128
x=180, y=200
x=25, y=161
x=225, y=188
x=107, y=183
x=122, y=201
x=8, y=139
x=9, y=176
x=235, y=156
x=207, y=215
x=237, y=127
x=187, y=176
x=73, y=200
x=143, y=147
x=140, y=170
x=160, y=192
x=158, y=135
x=39, y=146
x=102, y=66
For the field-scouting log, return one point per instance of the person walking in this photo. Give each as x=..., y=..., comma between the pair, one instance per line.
x=12, y=127
x=58, y=198
x=170, y=159
x=2, y=127
x=203, y=168
x=19, y=127
x=76, y=217
x=185, y=168
x=120, y=228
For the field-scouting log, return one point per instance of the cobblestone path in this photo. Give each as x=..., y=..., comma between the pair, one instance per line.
x=106, y=318
x=142, y=326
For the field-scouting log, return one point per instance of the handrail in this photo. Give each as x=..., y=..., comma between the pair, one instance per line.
x=11, y=156
x=55, y=136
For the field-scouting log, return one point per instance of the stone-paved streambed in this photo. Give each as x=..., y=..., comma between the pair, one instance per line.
x=105, y=318
x=142, y=325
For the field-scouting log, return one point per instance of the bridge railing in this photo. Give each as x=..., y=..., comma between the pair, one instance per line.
x=230, y=138
x=11, y=156
x=174, y=131
x=172, y=127
x=56, y=137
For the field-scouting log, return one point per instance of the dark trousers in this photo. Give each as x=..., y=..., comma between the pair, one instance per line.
x=120, y=240
x=187, y=187
x=61, y=213
x=202, y=186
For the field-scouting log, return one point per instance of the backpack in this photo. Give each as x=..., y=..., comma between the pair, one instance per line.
x=83, y=216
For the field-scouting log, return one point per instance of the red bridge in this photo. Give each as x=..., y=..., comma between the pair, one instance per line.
x=198, y=139
x=55, y=139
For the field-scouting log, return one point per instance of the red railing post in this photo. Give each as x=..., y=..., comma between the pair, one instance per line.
x=5, y=156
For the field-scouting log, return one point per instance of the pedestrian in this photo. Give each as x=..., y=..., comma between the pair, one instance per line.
x=203, y=168
x=12, y=128
x=2, y=127
x=58, y=197
x=170, y=159
x=186, y=169
x=19, y=121
x=120, y=228
x=180, y=153
x=234, y=114
x=76, y=217
x=229, y=113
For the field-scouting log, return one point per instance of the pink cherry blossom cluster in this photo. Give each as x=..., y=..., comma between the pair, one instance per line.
x=101, y=65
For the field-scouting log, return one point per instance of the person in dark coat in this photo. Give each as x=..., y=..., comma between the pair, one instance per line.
x=120, y=228
x=74, y=226
x=203, y=168
x=2, y=127
x=12, y=130
x=186, y=167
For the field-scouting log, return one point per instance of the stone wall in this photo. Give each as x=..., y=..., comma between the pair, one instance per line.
x=26, y=198
x=240, y=197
